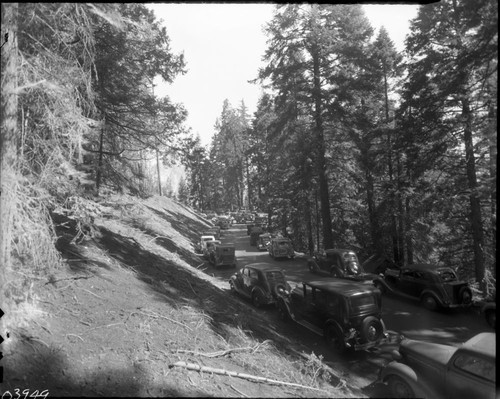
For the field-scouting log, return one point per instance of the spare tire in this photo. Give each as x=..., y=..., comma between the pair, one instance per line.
x=372, y=329
x=465, y=295
x=276, y=289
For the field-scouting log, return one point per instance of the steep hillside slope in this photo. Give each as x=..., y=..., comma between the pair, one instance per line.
x=132, y=302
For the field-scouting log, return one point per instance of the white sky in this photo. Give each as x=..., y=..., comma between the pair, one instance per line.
x=223, y=45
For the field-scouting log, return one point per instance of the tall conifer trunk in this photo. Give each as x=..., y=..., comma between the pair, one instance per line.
x=475, y=205
x=8, y=134
x=320, y=155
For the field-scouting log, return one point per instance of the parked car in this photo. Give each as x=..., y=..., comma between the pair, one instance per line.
x=264, y=241
x=201, y=245
x=347, y=313
x=213, y=231
x=209, y=247
x=378, y=264
x=250, y=227
x=281, y=248
x=429, y=370
x=223, y=255
x=223, y=222
x=340, y=263
x=435, y=286
x=254, y=235
x=259, y=282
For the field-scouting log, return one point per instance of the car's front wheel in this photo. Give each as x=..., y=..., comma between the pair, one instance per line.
x=399, y=388
x=380, y=286
x=311, y=268
x=335, y=339
x=429, y=302
x=256, y=301
x=334, y=272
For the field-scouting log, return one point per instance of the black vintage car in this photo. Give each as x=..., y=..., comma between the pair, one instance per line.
x=347, y=313
x=339, y=263
x=254, y=235
x=423, y=369
x=259, y=282
x=435, y=286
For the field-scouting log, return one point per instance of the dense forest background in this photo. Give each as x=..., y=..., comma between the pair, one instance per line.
x=352, y=144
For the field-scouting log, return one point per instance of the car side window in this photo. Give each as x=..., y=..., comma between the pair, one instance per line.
x=245, y=272
x=319, y=297
x=408, y=274
x=419, y=275
x=253, y=274
x=477, y=366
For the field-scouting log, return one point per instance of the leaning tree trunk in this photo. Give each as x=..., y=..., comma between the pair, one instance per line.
x=475, y=204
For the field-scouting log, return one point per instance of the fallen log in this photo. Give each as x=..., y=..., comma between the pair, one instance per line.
x=205, y=369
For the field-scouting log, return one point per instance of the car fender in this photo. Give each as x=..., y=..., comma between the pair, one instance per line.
x=434, y=295
x=259, y=291
x=281, y=301
x=384, y=283
x=405, y=372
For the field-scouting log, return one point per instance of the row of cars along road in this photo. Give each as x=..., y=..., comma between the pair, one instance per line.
x=342, y=303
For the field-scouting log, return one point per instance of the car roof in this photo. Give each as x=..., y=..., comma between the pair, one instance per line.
x=427, y=266
x=483, y=343
x=263, y=266
x=338, y=250
x=343, y=287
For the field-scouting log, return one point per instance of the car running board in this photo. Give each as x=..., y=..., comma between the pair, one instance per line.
x=310, y=327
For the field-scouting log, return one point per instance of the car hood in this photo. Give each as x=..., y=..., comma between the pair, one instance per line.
x=427, y=352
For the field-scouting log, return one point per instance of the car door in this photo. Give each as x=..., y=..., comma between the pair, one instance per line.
x=324, y=261
x=406, y=282
x=251, y=281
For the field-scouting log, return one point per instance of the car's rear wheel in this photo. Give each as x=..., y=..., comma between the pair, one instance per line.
x=311, y=268
x=429, y=302
x=335, y=339
x=399, y=388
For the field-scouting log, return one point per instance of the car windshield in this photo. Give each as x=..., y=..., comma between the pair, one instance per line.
x=447, y=275
x=283, y=243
